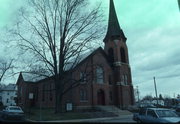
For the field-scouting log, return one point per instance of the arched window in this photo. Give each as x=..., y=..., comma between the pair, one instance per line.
x=99, y=75
x=83, y=77
x=123, y=55
x=83, y=95
x=111, y=55
x=124, y=79
x=43, y=92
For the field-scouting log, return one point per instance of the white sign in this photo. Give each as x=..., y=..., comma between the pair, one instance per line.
x=69, y=106
x=30, y=95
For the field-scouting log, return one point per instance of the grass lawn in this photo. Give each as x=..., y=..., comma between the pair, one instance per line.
x=48, y=115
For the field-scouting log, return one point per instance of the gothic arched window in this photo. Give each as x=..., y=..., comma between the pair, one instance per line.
x=111, y=55
x=83, y=95
x=123, y=55
x=99, y=75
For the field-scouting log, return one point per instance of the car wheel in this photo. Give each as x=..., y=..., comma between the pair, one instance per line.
x=4, y=117
x=139, y=121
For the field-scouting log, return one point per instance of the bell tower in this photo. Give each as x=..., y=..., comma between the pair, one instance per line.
x=117, y=51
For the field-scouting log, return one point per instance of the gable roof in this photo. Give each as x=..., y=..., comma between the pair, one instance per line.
x=29, y=77
x=100, y=50
x=9, y=87
x=34, y=78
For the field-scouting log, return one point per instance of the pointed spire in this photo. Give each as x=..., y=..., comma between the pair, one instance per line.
x=114, y=30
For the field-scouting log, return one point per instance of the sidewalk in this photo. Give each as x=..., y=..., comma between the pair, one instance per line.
x=85, y=120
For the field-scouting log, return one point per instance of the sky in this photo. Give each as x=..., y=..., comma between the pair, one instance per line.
x=152, y=28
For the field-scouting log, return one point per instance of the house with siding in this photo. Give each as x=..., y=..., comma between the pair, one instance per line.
x=9, y=94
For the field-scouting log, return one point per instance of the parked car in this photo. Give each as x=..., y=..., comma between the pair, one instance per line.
x=146, y=105
x=178, y=111
x=13, y=113
x=156, y=115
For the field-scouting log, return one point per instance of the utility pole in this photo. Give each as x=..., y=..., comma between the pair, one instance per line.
x=155, y=90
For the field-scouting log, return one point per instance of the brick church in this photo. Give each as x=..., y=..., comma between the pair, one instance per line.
x=113, y=86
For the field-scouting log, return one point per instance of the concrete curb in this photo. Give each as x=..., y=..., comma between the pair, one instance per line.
x=84, y=120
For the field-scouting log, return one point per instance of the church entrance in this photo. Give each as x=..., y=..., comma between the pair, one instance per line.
x=100, y=97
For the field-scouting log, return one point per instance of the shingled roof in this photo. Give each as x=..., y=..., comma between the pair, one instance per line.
x=114, y=30
x=32, y=78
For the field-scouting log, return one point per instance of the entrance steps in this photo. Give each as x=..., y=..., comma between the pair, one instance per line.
x=114, y=110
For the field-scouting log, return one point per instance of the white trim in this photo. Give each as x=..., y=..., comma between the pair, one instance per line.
x=118, y=63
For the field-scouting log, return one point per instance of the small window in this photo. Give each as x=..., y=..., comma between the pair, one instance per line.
x=7, y=101
x=7, y=93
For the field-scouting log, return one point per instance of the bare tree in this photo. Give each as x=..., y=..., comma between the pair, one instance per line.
x=57, y=33
x=5, y=66
x=148, y=97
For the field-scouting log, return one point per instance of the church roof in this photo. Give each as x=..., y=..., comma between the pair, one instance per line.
x=100, y=50
x=33, y=78
x=114, y=30
x=29, y=77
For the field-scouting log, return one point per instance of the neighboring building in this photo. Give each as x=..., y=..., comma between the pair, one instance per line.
x=159, y=102
x=146, y=102
x=112, y=85
x=152, y=102
x=9, y=94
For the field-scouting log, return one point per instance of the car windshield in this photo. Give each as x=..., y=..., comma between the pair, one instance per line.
x=14, y=108
x=166, y=113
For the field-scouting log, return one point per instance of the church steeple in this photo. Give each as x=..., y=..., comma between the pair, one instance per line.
x=114, y=31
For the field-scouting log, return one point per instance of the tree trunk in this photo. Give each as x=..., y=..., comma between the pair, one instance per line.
x=59, y=108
